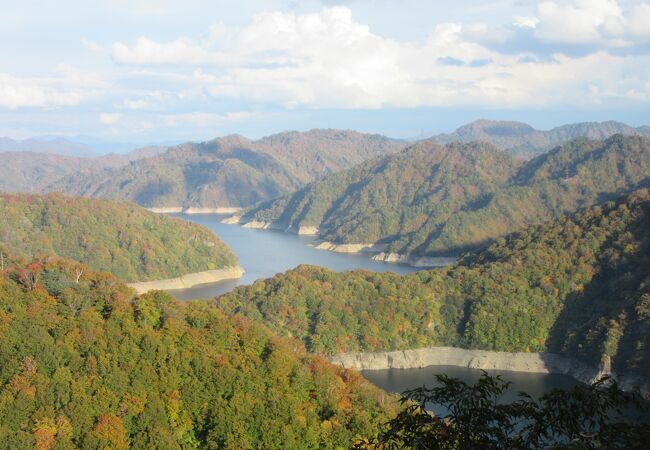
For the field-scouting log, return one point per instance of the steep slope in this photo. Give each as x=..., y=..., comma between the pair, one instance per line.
x=231, y=171
x=522, y=140
x=578, y=285
x=27, y=171
x=120, y=238
x=431, y=200
x=83, y=364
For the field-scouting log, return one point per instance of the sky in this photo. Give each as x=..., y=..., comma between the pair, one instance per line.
x=161, y=71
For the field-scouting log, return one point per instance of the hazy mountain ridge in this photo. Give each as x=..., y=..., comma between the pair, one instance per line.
x=55, y=145
x=522, y=140
x=230, y=171
x=417, y=203
x=28, y=171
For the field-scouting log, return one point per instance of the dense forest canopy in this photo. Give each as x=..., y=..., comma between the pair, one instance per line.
x=85, y=364
x=431, y=200
x=578, y=285
x=230, y=171
x=121, y=238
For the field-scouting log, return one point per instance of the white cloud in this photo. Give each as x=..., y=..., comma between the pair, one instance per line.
x=180, y=51
x=581, y=22
x=526, y=22
x=93, y=46
x=70, y=87
x=639, y=21
x=327, y=59
x=110, y=118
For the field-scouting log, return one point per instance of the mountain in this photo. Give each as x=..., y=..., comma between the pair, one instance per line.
x=578, y=285
x=121, y=238
x=27, y=171
x=432, y=200
x=522, y=140
x=85, y=364
x=229, y=171
x=56, y=145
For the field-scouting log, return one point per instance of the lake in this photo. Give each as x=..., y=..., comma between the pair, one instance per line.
x=264, y=253
x=399, y=380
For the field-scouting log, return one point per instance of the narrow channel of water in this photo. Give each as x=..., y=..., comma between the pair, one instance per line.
x=264, y=253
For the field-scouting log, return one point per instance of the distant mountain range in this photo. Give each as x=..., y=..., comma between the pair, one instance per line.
x=433, y=200
x=522, y=140
x=54, y=145
x=230, y=171
x=28, y=171
x=86, y=146
x=234, y=171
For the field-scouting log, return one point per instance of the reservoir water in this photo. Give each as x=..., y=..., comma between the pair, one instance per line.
x=264, y=253
x=400, y=380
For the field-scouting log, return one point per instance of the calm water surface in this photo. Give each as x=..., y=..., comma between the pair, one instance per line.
x=264, y=253
x=399, y=380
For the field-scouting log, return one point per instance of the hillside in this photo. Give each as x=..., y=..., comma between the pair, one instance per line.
x=27, y=171
x=522, y=140
x=120, y=238
x=430, y=200
x=84, y=364
x=578, y=286
x=230, y=172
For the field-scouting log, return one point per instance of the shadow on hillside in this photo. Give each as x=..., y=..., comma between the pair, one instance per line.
x=602, y=319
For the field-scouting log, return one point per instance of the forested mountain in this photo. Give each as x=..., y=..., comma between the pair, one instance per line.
x=522, y=140
x=577, y=285
x=230, y=171
x=431, y=200
x=121, y=238
x=84, y=364
x=27, y=171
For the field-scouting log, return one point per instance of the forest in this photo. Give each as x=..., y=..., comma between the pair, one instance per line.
x=578, y=286
x=84, y=363
x=433, y=200
x=117, y=237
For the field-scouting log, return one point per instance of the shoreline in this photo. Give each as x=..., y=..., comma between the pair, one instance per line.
x=374, y=251
x=189, y=280
x=549, y=363
x=194, y=210
x=377, y=252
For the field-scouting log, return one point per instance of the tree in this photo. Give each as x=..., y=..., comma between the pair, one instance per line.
x=585, y=417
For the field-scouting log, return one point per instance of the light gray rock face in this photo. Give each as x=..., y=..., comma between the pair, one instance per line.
x=483, y=359
x=189, y=280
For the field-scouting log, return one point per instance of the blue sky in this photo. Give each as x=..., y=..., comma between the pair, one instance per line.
x=156, y=71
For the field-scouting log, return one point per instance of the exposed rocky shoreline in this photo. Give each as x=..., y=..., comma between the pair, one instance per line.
x=194, y=210
x=375, y=251
x=487, y=360
x=189, y=280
